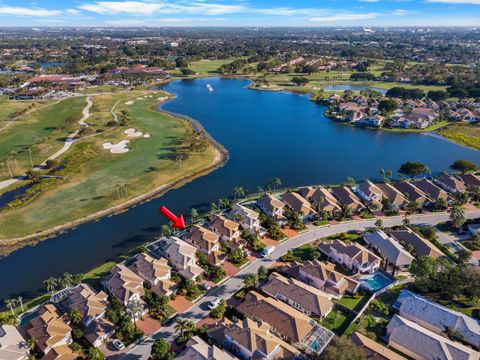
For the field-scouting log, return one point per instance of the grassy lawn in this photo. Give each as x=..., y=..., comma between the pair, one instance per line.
x=464, y=134
x=9, y=109
x=147, y=166
x=307, y=252
x=337, y=321
x=353, y=302
x=42, y=130
x=208, y=66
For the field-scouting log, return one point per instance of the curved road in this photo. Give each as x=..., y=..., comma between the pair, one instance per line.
x=199, y=310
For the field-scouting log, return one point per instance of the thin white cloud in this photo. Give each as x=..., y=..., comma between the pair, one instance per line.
x=472, y=2
x=345, y=17
x=369, y=1
x=25, y=11
x=144, y=8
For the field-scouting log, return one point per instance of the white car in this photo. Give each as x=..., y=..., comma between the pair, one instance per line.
x=214, y=303
x=118, y=345
x=267, y=251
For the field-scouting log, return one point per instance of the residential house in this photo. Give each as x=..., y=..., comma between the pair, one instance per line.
x=12, y=344
x=181, y=257
x=229, y=230
x=324, y=277
x=248, y=218
x=353, y=256
x=155, y=272
x=450, y=183
x=346, y=197
x=389, y=249
x=467, y=115
x=321, y=199
x=375, y=120
x=92, y=305
x=303, y=297
x=411, y=192
x=470, y=180
x=356, y=116
x=422, y=246
x=99, y=331
x=420, y=343
x=432, y=191
x=437, y=318
x=248, y=339
x=124, y=284
x=198, y=349
x=373, y=350
x=369, y=192
x=52, y=333
x=271, y=206
x=285, y=321
x=205, y=240
x=395, y=198
x=296, y=202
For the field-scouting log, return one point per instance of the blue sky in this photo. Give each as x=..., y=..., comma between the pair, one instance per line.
x=239, y=12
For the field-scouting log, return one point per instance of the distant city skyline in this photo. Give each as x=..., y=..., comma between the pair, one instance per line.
x=314, y=13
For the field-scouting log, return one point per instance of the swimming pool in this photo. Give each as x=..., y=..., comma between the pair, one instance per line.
x=375, y=281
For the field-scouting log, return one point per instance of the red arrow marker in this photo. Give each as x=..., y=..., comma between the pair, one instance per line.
x=178, y=221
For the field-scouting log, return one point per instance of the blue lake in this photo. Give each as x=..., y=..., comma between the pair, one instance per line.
x=268, y=134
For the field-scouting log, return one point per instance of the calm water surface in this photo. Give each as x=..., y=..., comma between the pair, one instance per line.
x=268, y=134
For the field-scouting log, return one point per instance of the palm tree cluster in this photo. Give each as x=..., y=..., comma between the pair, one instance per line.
x=64, y=281
x=11, y=303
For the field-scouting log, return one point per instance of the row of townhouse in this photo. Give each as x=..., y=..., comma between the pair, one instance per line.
x=279, y=321
x=418, y=114
x=391, y=247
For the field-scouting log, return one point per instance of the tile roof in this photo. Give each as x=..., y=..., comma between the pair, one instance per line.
x=197, y=349
x=289, y=322
x=124, y=283
x=309, y=297
x=437, y=317
x=374, y=350
x=298, y=203
x=390, y=248
x=352, y=250
x=85, y=299
x=48, y=328
x=425, y=344
x=422, y=246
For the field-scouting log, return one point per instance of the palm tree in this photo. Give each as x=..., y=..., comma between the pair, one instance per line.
x=75, y=316
x=66, y=280
x=457, y=217
x=20, y=300
x=50, y=284
x=30, y=153
x=10, y=303
x=181, y=325
x=135, y=309
x=462, y=198
x=238, y=192
x=274, y=183
x=386, y=175
x=193, y=214
x=31, y=343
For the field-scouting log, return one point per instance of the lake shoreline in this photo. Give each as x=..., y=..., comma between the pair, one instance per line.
x=7, y=246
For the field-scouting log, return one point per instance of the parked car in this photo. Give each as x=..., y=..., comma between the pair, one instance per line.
x=118, y=345
x=267, y=251
x=214, y=303
x=204, y=286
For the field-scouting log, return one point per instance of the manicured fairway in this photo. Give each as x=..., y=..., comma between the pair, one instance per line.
x=148, y=165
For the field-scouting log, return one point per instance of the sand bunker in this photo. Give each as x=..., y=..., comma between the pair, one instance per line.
x=163, y=98
x=146, y=135
x=133, y=133
x=120, y=148
x=130, y=103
